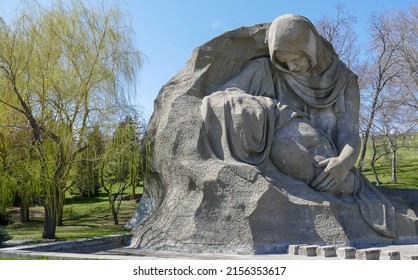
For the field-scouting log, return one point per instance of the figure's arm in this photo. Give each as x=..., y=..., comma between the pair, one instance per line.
x=337, y=168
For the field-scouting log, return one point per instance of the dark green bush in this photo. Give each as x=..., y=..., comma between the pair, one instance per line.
x=4, y=236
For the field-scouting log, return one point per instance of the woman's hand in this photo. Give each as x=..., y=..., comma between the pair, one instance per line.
x=334, y=173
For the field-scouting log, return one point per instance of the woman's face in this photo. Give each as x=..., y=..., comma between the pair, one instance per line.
x=294, y=62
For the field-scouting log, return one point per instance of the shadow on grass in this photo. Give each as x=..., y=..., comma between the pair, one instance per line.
x=86, y=200
x=32, y=224
x=76, y=217
x=407, y=174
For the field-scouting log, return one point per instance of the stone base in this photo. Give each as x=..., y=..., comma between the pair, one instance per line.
x=346, y=253
x=228, y=216
x=368, y=254
x=294, y=249
x=308, y=250
x=326, y=251
x=392, y=255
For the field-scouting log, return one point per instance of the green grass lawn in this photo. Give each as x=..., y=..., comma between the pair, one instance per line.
x=83, y=218
x=407, y=167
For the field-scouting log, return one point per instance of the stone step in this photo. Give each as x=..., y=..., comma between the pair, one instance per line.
x=309, y=250
x=326, y=251
x=368, y=254
x=346, y=253
x=390, y=255
x=293, y=249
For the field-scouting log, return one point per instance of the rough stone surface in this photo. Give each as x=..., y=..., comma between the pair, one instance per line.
x=368, y=254
x=196, y=202
x=326, y=251
x=346, y=253
x=391, y=255
x=293, y=249
x=309, y=250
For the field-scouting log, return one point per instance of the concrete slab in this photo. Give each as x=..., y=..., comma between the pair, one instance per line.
x=406, y=252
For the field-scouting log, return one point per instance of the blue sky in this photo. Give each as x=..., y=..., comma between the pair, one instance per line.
x=167, y=31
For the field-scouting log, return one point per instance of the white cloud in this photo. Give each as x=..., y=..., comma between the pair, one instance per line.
x=216, y=24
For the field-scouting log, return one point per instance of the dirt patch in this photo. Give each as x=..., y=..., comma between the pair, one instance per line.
x=35, y=213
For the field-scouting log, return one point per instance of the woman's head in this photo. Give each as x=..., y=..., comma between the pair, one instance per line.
x=297, y=63
x=294, y=44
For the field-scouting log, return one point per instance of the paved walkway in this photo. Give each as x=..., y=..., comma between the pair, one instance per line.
x=111, y=247
x=407, y=252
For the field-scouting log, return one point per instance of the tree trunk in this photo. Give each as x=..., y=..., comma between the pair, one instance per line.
x=24, y=211
x=363, y=150
x=133, y=191
x=112, y=200
x=370, y=120
x=376, y=177
x=114, y=213
x=51, y=210
x=393, y=154
x=59, y=178
x=60, y=209
x=50, y=222
x=373, y=161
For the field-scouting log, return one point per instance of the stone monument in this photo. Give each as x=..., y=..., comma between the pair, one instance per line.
x=253, y=145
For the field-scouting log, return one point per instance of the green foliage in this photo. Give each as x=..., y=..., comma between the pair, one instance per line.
x=63, y=69
x=121, y=168
x=4, y=236
x=87, y=181
x=124, y=160
x=7, y=186
x=6, y=198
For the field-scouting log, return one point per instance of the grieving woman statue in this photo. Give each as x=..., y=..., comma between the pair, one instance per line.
x=252, y=147
x=298, y=110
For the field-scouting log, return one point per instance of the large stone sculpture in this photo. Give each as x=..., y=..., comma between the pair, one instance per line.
x=253, y=145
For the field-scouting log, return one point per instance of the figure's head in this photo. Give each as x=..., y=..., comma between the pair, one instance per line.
x=294, y=44
x=297, y=63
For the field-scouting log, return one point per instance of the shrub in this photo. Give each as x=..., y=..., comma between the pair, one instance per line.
x=4, y=218
x=4, y=236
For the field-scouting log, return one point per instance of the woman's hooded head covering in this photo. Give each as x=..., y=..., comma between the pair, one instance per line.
x=293, y=34
x=296, y=34
x=327, y=77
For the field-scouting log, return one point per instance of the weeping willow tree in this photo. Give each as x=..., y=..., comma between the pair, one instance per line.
x=64, y=68
x=17, y=176
x=7, y=188
x=6, y=192
x=87, y=182
x=19, y=169
x=121, y=165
